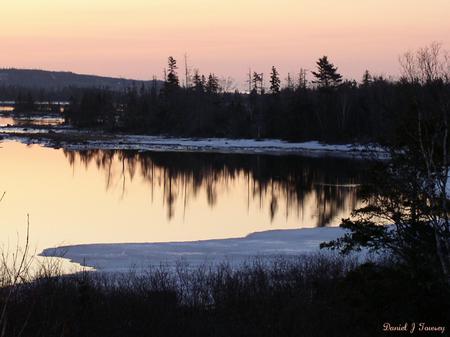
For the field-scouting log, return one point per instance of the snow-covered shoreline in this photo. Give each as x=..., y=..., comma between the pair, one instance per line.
x=223, y=145
x=71, y=139
x=122, y=257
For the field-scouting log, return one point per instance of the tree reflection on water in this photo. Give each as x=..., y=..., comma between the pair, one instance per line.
x=331, y=183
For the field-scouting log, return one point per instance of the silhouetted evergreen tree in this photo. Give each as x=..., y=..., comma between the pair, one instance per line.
x=326, y=75
x=172, y=81
x=274, y=81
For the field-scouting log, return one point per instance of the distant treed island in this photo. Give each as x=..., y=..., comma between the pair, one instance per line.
x=328, y=108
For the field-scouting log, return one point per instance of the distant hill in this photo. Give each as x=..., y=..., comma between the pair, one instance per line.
x=42, y=79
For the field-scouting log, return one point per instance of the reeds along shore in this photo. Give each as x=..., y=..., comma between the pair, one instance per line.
x=314, y=295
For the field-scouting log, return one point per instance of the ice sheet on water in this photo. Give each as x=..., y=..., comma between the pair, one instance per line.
x=269, y=244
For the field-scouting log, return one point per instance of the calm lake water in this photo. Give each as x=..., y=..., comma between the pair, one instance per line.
x=126, y=196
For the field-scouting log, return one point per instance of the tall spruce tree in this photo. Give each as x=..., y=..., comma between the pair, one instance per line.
x=172, y=80
x=274, y=81
x=326, y=75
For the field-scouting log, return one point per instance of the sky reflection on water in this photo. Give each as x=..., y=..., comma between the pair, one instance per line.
x=127, y=196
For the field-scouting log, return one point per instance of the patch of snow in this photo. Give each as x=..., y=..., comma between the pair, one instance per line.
x=121, y=257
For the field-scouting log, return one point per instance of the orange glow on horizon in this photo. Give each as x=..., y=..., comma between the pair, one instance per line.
x=133, y=38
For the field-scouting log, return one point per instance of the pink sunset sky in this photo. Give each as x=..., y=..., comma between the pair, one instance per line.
x=133, y=38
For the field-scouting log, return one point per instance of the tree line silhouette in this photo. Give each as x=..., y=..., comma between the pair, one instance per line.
x=332, y=109
x=328, y=108
x=328, y=111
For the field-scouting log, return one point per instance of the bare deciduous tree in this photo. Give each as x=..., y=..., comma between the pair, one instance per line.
x=427, y=64
x=430, y=65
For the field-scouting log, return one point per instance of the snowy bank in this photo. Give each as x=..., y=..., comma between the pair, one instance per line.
x=72, y=139
x=269, y=244
x=224, y=145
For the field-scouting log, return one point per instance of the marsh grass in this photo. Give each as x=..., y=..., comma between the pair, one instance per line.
x=316, y=295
